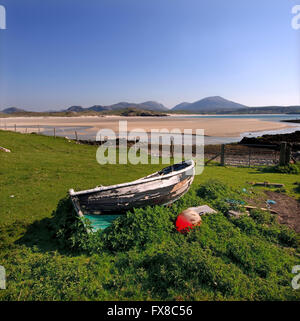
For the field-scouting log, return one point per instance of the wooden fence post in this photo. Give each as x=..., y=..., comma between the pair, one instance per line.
x=249, y=157
x=288, y=154
x=15, y=127
x=223, y=155
x=282, y=159
x=76, y=136
x=160, y=147
x=54, y=132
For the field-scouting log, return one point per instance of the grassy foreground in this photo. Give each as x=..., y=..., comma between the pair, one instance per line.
x=141, y=257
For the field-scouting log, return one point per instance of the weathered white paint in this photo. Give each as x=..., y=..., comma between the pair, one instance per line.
x=157, y=188
x=142, y=181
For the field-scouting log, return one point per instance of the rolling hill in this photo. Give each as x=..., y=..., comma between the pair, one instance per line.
x=154, y=106
x=75, y=109
x=148, y=105
x=12, y=110
x=209, y=104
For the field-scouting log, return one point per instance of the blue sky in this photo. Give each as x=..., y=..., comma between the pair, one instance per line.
x=58, y=53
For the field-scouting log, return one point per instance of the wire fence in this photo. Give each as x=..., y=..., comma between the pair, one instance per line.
x=230, y=154
x=54, y=131
x=244, y=156
x=252, y=155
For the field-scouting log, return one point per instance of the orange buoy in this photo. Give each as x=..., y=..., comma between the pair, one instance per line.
x=186, y=220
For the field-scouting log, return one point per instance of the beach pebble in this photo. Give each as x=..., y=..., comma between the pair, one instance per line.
x=5, y=150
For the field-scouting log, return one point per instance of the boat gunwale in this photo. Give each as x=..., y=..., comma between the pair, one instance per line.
x=136, y=182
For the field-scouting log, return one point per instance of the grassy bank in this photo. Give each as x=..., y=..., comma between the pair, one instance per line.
x=250, y=259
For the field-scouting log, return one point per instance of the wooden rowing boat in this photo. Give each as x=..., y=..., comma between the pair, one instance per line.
x=161, y=188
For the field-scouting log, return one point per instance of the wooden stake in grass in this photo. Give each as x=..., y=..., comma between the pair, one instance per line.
x=160, y=148
x=76, y=137
x=15, y=127
x=54, y=132
x=288, y=154
x=249, y=157
x=282, y=160
x=222, y=155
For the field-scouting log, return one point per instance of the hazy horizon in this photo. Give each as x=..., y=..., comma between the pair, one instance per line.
x=116, y=102
x=59, y=53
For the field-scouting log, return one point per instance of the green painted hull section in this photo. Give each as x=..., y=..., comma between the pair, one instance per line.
x=100, y=222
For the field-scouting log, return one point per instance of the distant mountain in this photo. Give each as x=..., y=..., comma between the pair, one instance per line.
x=148, y=105
x=75, y=109
x=208, y=104
x=135, y=112
x=12, y=110
x=97, y=108
x=122, y=105
x=181, y=106
x=154, y=106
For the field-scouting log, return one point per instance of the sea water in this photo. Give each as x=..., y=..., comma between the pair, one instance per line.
x=83, y=134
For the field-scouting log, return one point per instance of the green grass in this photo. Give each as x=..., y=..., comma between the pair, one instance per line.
x=141, y=257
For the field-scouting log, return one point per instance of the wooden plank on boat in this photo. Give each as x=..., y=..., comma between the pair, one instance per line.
x=78, y=211
x=250, y=207
x=125, y=202
x=161, y=188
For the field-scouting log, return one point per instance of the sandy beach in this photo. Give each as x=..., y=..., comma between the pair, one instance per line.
x=212, y=127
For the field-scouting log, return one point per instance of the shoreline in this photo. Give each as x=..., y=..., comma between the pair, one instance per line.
x=213, y=127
